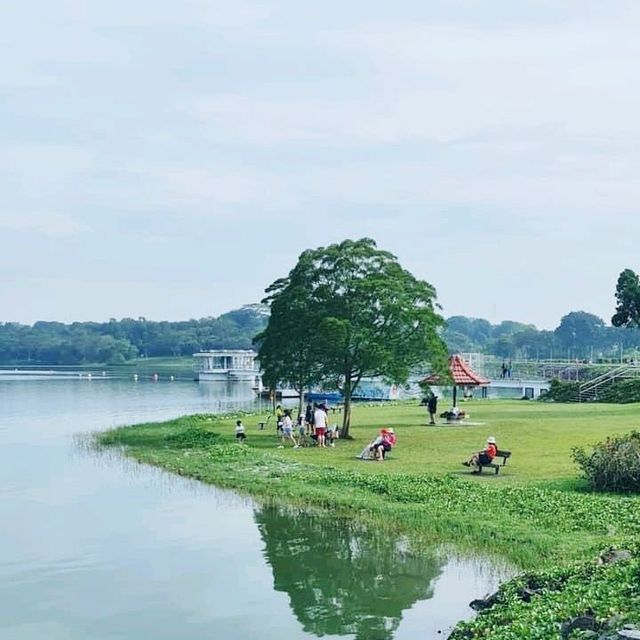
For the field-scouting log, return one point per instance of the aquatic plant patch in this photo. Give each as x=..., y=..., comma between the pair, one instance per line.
x=546, y=509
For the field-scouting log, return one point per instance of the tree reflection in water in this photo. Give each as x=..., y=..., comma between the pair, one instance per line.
x=344, y=578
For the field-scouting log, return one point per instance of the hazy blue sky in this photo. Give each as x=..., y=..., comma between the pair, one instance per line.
x=171, y=159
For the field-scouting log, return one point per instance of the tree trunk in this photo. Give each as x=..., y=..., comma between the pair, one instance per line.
x=300, y=390
x=346, y=409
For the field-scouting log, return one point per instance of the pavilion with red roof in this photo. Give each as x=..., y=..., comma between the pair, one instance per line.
x=462, y=374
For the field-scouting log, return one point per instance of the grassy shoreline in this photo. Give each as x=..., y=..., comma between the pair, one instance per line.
x=536, y=513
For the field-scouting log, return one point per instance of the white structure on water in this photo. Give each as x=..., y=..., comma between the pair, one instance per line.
x=227, y=365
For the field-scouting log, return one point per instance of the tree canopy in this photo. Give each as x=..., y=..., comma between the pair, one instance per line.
x=627, y=300
x=356, y=312
x=290, y=346
x=580, y=330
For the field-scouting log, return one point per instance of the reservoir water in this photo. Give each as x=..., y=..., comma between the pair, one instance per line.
x=93, y=546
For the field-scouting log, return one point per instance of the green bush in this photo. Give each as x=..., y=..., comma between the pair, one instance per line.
x=613, y=465
x=621, y=392
x=560, y=391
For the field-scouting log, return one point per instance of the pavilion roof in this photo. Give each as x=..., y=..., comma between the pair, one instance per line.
x=461, y=373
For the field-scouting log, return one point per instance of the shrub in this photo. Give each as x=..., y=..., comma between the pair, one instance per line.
x=613, y=465
x=621, y=392
x=560, y=391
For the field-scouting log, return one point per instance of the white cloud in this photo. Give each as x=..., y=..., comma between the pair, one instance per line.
x=56, y=225
x=460, y=80
x=214, y=189
x=438, y=82
x=46, y=159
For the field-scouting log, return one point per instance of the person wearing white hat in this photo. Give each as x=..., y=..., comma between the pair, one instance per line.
x=485, y=456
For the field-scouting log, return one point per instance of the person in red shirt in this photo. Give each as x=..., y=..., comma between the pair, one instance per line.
x=383, y=443
x=485, y=456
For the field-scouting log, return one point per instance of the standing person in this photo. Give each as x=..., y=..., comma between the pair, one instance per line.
x=509, y=369
x=287, y=430
x=432, y=406
x=279, y=416
x=320, y=424
x=504, y=370
x=302, y=430
x=240, y=434
x=308, y=417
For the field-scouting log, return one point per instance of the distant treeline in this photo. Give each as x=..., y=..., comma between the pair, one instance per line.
x=580, y=335
x=116, y=341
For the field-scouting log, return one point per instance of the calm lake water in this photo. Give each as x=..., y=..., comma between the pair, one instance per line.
x=94, y=546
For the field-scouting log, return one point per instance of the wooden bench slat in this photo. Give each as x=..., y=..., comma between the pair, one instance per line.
x=502, y=453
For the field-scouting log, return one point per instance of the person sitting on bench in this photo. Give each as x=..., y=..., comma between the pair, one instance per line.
x=383, y=443
x=485, y=456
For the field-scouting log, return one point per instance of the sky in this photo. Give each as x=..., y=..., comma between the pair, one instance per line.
x=171, y=159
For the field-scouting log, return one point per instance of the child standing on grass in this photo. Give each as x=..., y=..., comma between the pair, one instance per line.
x=240, y=434
x=287, y=430
x=302, y=430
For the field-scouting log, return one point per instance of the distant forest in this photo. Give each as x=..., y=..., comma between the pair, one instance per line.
x=580, y=335
x=117, y=341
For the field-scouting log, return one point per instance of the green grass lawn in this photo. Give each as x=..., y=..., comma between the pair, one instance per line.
x=540, y=437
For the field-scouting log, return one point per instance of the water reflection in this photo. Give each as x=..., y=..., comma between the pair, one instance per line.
x=343, y=578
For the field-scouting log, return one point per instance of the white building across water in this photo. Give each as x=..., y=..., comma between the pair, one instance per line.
x=224, y=365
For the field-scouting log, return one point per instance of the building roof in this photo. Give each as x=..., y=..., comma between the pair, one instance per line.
x=461, y=373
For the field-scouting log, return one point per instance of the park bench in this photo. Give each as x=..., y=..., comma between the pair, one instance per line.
x=502, y=453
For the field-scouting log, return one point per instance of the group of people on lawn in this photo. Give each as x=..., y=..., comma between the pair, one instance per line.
x=314, y=427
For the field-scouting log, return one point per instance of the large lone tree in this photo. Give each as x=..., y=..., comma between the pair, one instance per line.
x=628, y=300
x=349, y=311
